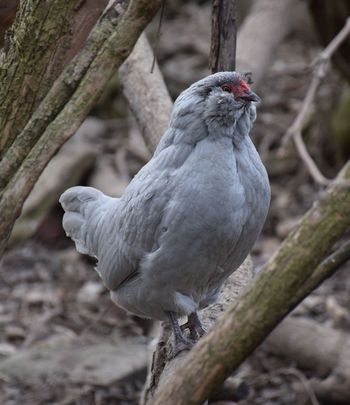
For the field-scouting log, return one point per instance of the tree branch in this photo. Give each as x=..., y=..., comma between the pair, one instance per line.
x=60, y=93
x=164, y=370
x=146, y=92
x=323, y=271
x=295, y=130
x=223, y=36
x=85, y=88
x=264, y=304
x=8, y=10
x=43, y=39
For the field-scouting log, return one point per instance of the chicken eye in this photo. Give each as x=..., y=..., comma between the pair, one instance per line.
x=227, y=88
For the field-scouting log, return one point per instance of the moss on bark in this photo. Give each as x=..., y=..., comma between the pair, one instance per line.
x=25, y=76
x=56, y=98
x=67, y=104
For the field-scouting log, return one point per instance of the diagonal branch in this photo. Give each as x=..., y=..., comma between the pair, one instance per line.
x=146, y=92
x=86, y=89
x=44, y=38
x=60, y=93
x=295, y=130
x=8, y=10
x=323, y=271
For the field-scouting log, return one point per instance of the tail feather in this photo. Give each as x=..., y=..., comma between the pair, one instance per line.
x=84, y=208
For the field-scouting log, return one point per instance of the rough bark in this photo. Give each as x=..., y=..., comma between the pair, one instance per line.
x=162, y=369
x=264, y=304
x=223, y=35
x=8, y=10
x=67, y=104
x=58, y=96
x=324, y=270
x=43, y=39
x=65, y=170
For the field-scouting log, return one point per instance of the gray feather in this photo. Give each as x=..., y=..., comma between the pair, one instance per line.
x=190, y=216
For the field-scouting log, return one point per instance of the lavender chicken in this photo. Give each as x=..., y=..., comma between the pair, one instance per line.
x=190, y=216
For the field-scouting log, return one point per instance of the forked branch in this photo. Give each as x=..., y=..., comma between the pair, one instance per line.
x=295, y=130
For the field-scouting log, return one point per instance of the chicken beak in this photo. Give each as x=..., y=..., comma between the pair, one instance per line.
x=250, y=96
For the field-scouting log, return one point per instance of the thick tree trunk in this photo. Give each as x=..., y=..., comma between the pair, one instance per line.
x=60, y=94
x=8, y=10
x=44, y=38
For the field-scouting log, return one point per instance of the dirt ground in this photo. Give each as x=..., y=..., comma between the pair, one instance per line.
x=58, y=328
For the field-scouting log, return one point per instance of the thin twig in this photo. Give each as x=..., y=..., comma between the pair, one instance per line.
x=295, y=130
x=324, y=270
x=328, y=52
x=307, y=159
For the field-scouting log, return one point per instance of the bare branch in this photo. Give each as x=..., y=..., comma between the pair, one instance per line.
x=44, y=38
x=309, y=162
x=146, y=92
x=324, y=270
x=8, y=10
x=59, y=94
x=64, y=119
x=328, y=52
x=295, y=130
x=223, y=36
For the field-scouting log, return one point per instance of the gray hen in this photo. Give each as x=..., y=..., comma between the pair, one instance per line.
x=189, y=217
